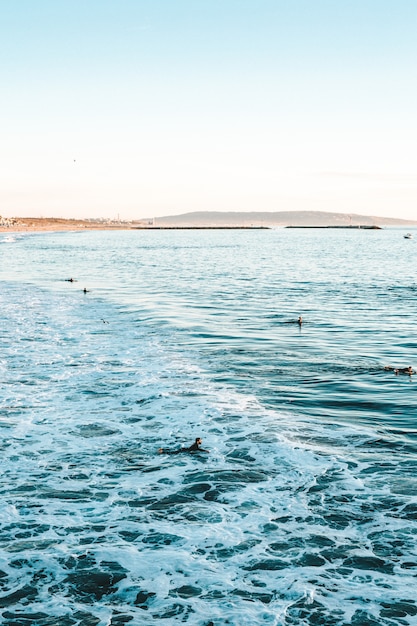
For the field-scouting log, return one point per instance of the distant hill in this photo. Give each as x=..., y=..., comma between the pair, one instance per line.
x=278, y=218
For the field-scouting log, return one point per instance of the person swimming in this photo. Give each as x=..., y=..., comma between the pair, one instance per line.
x=404, y=370
x=195, y=447
x=299, y=321
x=400, y=370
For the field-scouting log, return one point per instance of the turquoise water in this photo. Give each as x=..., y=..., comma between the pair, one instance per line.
x=305, y=510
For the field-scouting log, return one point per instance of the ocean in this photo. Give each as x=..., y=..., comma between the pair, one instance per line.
x=304, y=512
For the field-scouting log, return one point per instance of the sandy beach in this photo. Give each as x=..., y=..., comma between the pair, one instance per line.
x=33, y=224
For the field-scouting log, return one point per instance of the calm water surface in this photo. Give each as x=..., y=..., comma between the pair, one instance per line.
x=305, y=510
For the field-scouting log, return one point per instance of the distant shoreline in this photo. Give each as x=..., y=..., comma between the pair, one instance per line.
x=50, y=224
x=44, y=224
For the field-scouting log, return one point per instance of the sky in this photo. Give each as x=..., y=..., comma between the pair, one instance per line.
x=144, y=108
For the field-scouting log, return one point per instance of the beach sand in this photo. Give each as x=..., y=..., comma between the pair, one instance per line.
x=32, y=224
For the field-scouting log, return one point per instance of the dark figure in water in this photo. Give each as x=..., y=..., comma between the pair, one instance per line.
x=299, y=321
x=70, y=280
x=85, y=290
x=401, y=370
x=195, y=447
x=405, y=370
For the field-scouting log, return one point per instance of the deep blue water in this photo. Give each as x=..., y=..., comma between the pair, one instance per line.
x=305, y=510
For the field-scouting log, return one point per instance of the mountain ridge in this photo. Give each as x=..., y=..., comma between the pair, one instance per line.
x=276, y=218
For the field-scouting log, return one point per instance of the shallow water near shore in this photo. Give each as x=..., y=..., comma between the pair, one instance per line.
x=305, y=510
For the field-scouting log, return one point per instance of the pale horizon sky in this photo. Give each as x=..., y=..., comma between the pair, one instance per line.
x=147, y=108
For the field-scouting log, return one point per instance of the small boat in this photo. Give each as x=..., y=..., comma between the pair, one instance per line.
x=408, y=236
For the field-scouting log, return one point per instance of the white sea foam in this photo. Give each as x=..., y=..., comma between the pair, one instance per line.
x=288, y=520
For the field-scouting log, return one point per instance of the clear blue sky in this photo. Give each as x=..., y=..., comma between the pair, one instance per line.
x=144, y=108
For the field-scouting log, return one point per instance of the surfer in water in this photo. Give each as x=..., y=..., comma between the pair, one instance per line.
x=404, y=370
x=401, y=370
x=299, y=321
x=195, y=447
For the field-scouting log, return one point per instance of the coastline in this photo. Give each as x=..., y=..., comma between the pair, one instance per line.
x=51, y=224
x=44, y=224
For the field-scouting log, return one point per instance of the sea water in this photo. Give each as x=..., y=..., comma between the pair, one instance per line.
x=305, y=509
